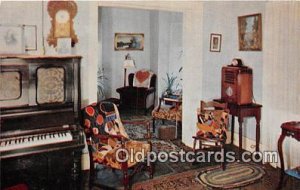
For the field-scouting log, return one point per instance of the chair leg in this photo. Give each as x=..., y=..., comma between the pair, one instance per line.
x=151, y=169
x=125, y=179
x=153, y=125
x=194, y=145
x=224, y=162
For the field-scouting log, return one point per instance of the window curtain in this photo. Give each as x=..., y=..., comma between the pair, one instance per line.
x=281, y=76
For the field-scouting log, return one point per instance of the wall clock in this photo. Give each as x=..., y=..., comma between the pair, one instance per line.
x=62, y=14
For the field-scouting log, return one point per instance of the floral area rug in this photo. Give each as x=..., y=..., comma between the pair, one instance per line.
x=136, y=132
x=139, y=132
x=182, y=181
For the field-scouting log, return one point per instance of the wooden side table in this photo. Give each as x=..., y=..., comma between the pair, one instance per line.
x=289, y=129
x=242, y=111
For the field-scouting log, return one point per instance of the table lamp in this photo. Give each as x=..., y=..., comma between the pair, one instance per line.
x=128, y=63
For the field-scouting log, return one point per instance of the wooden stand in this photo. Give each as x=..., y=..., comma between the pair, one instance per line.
x=242, y=111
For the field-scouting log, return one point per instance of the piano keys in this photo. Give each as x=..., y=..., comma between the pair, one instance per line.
x=49, y=140
x=34, y=140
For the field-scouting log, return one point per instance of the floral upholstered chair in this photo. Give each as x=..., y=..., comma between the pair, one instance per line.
x=105, y=135
x=212, y=126
x=167, y=112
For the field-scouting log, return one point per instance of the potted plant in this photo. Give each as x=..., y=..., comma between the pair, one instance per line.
x=100, y=84
x=171, y=82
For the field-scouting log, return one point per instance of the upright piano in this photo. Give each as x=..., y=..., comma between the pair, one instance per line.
x=39, y=113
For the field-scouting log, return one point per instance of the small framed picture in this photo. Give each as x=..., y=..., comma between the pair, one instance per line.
x=30, y=37
x=215, y=42
x=129, y=41
x=12, y=39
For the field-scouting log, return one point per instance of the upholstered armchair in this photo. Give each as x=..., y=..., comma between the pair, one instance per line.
x=106, y=135
x=140, y=92
x=212, y=126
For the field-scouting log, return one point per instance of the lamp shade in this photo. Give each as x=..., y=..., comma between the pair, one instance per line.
x=128, y=63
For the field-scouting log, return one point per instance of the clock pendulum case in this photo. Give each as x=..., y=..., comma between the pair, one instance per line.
x=62, y=14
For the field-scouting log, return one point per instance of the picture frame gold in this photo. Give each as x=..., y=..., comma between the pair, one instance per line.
x=250, y=32
x=129, y=41
x=215, y=42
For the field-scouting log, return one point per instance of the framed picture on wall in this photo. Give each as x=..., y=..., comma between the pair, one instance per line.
x=215, y=42
x=30, y=37
x=12, y=39
x=250, y=32
x=129, y=41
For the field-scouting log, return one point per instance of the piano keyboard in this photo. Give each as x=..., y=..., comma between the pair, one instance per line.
x=34, y=140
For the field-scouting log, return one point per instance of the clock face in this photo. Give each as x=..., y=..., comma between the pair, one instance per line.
x=234, y=62
x=62, y=16
x=229, y=91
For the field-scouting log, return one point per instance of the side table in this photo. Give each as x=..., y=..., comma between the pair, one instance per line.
x=242, y=111
x=289, y=129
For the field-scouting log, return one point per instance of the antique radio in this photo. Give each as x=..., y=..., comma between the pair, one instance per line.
x=237, y=85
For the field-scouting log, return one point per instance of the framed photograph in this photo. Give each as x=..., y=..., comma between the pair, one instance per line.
x=30, y=37
x=250, y=32
x=129, y=41
x=12, y=39
x=215, y=42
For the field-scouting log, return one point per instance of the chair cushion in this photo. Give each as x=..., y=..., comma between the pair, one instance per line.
x=213, y=124
x=142, y=78
x=107, y=155
x=168, y=113
x=103, y=119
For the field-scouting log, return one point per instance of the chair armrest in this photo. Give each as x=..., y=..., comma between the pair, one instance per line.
x=102, y=137
x=106, y=137
x=122, y=89
x=119, y=137
x=150, y=90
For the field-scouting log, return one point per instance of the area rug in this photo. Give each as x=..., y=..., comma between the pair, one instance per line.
x=182, y=181
x=136, y=132
x=139, y=132
x=235, y=175
x=166, y=146
x=189, y=181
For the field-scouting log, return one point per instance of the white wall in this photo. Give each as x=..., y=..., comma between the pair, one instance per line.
x=192, y=53
x=115, y=20
x=221, y=18
x=160, y=49
x=31, y=13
